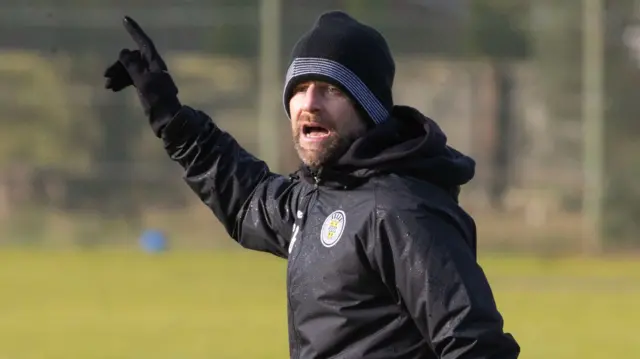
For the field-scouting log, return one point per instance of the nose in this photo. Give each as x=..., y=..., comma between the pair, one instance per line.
x=312, y=98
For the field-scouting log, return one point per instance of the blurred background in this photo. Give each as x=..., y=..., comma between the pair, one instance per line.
x=105, y=252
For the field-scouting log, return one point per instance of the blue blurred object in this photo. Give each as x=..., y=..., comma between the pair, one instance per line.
x=153, y=241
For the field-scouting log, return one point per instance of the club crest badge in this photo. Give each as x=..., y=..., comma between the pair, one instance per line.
x=332, y=228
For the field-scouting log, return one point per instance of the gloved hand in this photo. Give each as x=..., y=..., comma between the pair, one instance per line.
x=147, y=72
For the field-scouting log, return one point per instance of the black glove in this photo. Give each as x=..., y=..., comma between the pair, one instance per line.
x=145, y=69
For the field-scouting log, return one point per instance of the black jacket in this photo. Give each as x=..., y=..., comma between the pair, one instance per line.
x=381, y=259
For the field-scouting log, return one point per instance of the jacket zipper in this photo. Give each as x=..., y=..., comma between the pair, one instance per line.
x=296, y=335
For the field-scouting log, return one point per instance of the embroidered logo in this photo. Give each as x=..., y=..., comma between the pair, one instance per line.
x=332, y=228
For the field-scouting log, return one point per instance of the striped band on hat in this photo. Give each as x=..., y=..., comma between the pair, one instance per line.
x=345, y=77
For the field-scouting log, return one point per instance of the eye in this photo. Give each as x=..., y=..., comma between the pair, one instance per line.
x=333, y=90
x=301, y=88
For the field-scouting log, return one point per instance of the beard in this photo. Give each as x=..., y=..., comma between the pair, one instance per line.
x=334, y=146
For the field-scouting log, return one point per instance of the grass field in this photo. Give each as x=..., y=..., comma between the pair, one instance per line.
x=223, y=305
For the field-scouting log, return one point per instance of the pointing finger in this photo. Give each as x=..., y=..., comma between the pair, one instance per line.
x=143, y=41
x=147, y=48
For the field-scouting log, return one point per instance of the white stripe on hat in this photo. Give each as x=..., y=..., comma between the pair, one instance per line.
x=345, y=77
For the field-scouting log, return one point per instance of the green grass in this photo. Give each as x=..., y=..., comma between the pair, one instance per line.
x=196, y=305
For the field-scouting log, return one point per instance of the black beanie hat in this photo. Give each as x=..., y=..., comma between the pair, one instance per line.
x=355, y=57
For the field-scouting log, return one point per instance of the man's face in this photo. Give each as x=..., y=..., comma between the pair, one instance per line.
x=324, y=122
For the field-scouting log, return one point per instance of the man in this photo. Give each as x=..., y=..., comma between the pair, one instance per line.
x=381, y=259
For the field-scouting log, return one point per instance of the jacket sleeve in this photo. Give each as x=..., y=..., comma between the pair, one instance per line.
x=256, y=206
x=431, y=270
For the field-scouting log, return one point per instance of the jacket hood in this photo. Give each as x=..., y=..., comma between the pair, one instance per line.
x=408, y=144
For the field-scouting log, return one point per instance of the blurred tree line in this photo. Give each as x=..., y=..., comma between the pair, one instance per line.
x=71, y=148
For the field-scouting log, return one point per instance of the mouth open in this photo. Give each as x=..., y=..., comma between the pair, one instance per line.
x=314, y=130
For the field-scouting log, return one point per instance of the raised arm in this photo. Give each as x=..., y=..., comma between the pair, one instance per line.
x=257, y=207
